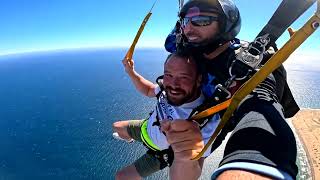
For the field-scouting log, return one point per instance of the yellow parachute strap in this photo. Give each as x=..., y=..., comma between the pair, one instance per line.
x=211, y=110
x=273, y=63
x=146, y=138
x=136, y=38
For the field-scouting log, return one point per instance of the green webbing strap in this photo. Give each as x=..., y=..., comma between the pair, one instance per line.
x=146, y=138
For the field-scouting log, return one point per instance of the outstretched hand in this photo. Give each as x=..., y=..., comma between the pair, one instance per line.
x=128, y=65
x=184, y=137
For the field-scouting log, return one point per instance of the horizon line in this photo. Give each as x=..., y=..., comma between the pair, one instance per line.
x=31, y=51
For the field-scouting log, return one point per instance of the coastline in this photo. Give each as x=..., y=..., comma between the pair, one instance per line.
x=307, y=127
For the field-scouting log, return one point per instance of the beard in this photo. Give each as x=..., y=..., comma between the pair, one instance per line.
x=183, y=96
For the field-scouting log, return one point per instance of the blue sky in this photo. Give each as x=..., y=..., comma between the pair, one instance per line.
x=32, y=25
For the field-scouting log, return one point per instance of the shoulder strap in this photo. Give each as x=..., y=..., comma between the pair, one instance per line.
x=159, y=81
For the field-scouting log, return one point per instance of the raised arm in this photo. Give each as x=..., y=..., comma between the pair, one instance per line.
x=143, y=85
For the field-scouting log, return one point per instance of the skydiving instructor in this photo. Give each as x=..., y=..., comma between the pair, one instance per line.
x=262, y=145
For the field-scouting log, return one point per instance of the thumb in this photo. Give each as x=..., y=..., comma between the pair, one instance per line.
x=183, y=125
x=165, y=126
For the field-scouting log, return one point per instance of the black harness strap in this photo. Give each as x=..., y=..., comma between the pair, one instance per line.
x=165, y=156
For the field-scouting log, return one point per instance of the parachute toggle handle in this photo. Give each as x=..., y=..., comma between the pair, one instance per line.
x=136, y=38
x=291, y=31
x=130, y=52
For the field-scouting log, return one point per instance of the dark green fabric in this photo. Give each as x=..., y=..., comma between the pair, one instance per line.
x=134, y=129
x=147, y=165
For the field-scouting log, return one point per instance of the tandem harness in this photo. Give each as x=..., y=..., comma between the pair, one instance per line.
x=165, y=156
x=245, y=61
x=242, y=67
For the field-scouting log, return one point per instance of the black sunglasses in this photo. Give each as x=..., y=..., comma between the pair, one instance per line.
x=199, y=20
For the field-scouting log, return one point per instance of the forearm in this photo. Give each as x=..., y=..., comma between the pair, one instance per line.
x=143, y=85
x=185, y=170
x=241, y=175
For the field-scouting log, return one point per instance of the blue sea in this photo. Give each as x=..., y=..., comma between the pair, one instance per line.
x=57, y=109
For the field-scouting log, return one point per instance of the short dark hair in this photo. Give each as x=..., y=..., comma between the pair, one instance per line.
x=187, y=56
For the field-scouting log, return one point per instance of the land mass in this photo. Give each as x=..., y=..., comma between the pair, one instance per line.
x=307, y=126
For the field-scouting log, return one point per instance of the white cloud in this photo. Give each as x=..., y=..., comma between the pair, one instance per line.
x=303, y=61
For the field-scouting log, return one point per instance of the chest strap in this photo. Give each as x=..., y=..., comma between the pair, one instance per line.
x=165, y=156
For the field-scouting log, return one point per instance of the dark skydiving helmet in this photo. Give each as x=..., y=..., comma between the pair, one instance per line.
x=229, y=23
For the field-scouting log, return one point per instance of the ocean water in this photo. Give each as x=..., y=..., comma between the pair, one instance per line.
x=57, y=109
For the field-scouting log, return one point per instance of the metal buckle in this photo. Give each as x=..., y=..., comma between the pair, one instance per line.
x=239, y=69
x=249, y=58
x=200, y=123
x=223, y=91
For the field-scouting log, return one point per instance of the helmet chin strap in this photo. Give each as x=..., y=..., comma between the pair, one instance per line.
x=183, y=42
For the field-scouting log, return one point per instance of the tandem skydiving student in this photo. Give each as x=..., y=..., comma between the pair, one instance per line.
x=262, y=145
x=178, y=96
